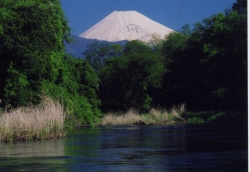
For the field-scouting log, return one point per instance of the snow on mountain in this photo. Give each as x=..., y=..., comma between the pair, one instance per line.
x=125, y=25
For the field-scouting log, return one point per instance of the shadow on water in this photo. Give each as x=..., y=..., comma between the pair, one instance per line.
x=133, y=148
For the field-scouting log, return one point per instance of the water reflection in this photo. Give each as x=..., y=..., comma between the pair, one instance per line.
x=83, y=143
x=48, y=148
x=37, y=155
x=133, y=148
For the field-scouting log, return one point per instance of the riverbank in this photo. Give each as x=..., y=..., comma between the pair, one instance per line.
x=176, y=115
x=40, y=122
x=218, y=117
x=154, y=116
x=47, y=120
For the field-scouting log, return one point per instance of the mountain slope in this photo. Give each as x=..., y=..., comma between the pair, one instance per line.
x=80, y=45
x=125, y=25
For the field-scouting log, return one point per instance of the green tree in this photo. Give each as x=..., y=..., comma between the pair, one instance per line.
x=240, y=6
x=176, y=88
x=225, y=48
x=208, y=68
x=186, y=30
x=97, y=53
x=128, y=81
x=77, y=89
x=136, y=47
x=174, y=42
x=156, y=42
x=31, y=47
x=33, y=62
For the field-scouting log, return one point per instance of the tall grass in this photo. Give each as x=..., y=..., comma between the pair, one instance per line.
x=34, y=122
x=128, y=118
x=154, y=116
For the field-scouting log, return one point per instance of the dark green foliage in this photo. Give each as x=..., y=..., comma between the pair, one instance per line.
x=33, y=62
x=175, y=89
x=31, y=48
x=225, y=49
x=186, y=30
x=240, y=6
x=195, y=120
x=208, y=68
x=127, y=81
x=175, y=43
x=136, y=47
x=77, y=88
x=218, y=117
x=98, y=53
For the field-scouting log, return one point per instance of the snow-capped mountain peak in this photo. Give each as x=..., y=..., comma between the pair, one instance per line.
x=125, y=25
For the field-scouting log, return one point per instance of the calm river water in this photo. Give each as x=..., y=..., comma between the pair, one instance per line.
x=133, y=148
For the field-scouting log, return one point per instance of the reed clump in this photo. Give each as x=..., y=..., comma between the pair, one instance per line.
x=43, y=121
x=129, y=118
x=154, y=116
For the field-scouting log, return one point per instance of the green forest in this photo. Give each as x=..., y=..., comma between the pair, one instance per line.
x=204, y=67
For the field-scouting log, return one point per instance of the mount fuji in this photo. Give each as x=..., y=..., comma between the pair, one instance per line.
x=117, y=28
x=125, y=25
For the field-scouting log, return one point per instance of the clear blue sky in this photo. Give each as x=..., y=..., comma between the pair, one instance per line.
x=83, y=14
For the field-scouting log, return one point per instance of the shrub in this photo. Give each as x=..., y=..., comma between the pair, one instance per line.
x=195, y=120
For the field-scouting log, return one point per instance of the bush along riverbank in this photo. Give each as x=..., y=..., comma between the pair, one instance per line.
x=40, y=122
x=218, y=117
x=155, y=116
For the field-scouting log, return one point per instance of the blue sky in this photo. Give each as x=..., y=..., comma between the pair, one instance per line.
x=83, y=14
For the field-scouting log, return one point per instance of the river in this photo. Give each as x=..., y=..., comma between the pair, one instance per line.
x=133, y=148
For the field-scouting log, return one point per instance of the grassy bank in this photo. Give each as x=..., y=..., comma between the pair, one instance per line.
x=218, y=117
x=155, y=116
x=176, y=115
x=34, y=122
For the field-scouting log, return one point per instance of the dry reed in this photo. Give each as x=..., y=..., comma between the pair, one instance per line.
x=129, y=118
x=34, y=122
x=155, y=116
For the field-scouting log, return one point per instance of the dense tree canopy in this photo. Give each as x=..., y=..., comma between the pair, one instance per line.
x=127, y=81
x=208, y=67
x=97, y=53
x=33, y=62
x=31, y=47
